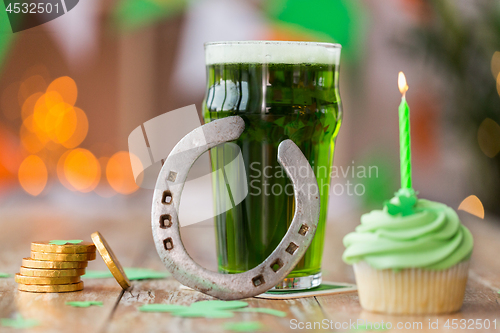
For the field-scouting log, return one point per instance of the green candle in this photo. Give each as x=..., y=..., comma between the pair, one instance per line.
x=404, y=134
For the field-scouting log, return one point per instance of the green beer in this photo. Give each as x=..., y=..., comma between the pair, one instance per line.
x=282, y=90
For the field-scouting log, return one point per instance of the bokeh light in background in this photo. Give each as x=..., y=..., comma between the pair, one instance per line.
x=76, y=120
x=472, y=205
x=33, y=175
x=10, y=158
x=57, y=99
x=488, y=137
x=495, y=69
x=119, y=172
x=66, y=88
x=81, y=170
x=51, y=132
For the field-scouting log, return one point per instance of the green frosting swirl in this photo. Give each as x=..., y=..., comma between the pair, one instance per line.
x=430, y=237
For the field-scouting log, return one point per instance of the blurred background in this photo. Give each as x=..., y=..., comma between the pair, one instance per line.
x=119, y=63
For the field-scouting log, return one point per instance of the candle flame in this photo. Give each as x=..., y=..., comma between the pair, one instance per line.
x=403, y=87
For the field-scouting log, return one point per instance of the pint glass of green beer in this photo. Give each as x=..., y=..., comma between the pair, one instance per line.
x=282, y=90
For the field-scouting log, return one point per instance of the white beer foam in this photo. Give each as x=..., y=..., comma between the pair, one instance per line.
x=275, y=52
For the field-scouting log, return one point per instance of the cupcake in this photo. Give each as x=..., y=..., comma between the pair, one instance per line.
x=411, y=257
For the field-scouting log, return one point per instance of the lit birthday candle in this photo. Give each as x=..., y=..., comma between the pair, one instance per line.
x=404, y=134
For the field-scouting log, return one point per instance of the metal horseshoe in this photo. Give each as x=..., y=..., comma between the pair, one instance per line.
x=165, y=223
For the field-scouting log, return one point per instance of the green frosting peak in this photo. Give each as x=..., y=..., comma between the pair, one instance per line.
x=409, y=232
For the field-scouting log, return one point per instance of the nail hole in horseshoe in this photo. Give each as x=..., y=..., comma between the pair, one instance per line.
x=276, y=265
x=258, y=280
x=168, y=244
x=165, y=221
x=166, y=198
x=292, y=247
x=303, y=229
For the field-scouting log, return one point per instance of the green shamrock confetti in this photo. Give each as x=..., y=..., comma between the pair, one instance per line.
x=407, y=200
x=208, y=309
x=19, y=322
x=91, y=274
x=219, y=305
x=4, y=275
x=64, y=242
x=84, y=304
x=161, y=307
x=203, y=313
x=133, y=273
x=271, y=312
x=245, y=326
x=202, y=309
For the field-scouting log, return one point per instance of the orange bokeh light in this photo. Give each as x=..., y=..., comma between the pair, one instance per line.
x=81, y=128
x=66, y=87
x=58, y=121
x=33, y=175
x=472, y=205
x=119, y=172
x=40, y=113
x=51, y=122
x=82, y=170
x=29, y=105
x=52, y=98
x=30, y=140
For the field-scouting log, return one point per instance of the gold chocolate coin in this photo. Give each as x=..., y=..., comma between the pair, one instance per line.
x=83, y=247
x=62, y=256
x=45, y=264
x=60, y=288
x=51, y=272
x=46, y=280
x=110, y=259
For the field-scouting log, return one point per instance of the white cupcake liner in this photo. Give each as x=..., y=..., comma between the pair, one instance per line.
x=411, y=290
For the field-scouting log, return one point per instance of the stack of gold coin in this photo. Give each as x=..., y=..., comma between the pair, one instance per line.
x=55, y=266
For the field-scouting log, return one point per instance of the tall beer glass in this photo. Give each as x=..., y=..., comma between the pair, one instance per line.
x=282, y=90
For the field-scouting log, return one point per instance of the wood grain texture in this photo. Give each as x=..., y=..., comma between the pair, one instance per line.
x=167, y=291
x=128, y=233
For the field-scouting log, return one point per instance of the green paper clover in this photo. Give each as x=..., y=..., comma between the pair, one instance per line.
x=19, y=322
x=203, y=313
x=407, y=200
x=64, y=242
x=84, y=304
x=271, y=312
x=4, y=275
x=202, y=309
x=161, y=307
x=208, y=309
x=245, y=326
x=134, y=273
x=219, y=305
x=92, y=274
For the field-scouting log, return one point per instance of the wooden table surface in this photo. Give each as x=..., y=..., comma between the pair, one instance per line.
x=128, y=233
